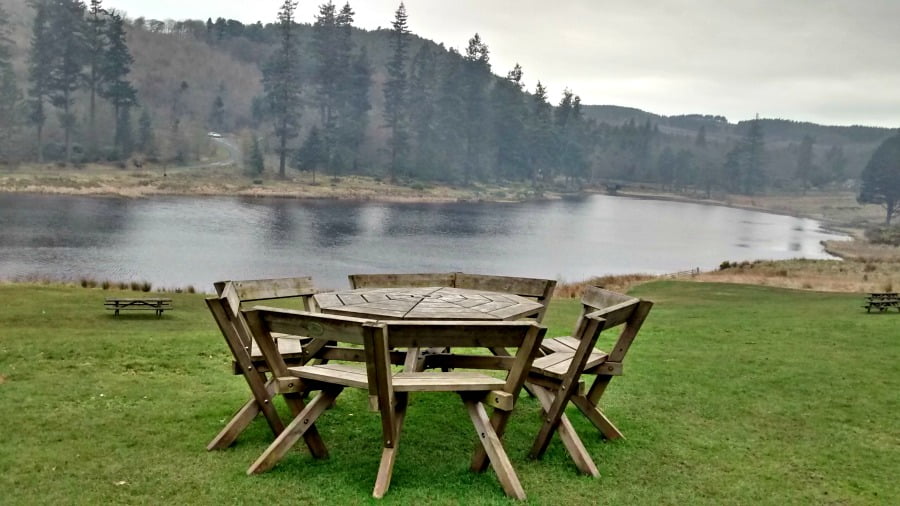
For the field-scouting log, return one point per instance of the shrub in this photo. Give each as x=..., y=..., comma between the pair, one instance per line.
x=884, y=235
x=105, y=284
x=146, y=286
x=135, y=286
x=726, y=265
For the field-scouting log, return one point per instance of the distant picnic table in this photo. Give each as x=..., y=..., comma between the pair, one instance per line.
x=155, y=304
x=882, y=301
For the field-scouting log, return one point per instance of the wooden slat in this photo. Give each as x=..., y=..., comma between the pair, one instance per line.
x=530, y=287
x=598, y=298
x=346, y=375
x=392, y=280
x=626, y=338
x=433, y=334
x=557, y=344
x=542, y=363
x=262, y=289
x=315, y=325
x=445, y=382
x=461, y=361
x=354, y=354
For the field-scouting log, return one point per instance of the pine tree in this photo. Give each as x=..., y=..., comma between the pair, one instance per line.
x=40, y=63
x=395, y=91
x=333, y=49
x=312, y=154
x=355, y=115
x=10, y=95
x=753, y=177
x=835, y=163
x=217, y=111
x=116, y=87
x=423, y=101
x=70, y=51
x=97, y=42
x=256, y=163
x=282, y=81
x=805, y=168
x=146, y=141
x=881, y=178
x=124, y=137
x=540, y=129
x=510, y=116
x=478, y=76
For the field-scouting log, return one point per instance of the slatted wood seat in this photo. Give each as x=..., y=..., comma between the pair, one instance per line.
x=390, y=390
x=554, y=377
x=248, y=358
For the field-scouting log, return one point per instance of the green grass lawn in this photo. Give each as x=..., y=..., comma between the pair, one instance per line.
x=731, y=394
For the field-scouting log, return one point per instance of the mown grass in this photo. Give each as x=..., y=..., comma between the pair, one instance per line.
x=732, y=394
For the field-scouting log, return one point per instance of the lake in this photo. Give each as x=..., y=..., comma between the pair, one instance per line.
x=181, y=241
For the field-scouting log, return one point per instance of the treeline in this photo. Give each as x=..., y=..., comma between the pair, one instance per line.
x=329, y=98
x=76, y=52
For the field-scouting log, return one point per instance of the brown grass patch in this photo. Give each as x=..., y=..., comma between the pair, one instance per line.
x=617, y=283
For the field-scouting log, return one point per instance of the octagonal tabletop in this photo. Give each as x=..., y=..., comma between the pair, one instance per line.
x=428, y=303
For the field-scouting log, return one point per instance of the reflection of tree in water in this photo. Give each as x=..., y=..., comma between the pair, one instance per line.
x=456, y=220
x=279, y=227
x=334, y=224
x=72, y=222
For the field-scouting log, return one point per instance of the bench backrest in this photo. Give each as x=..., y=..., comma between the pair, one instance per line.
x=396, y=280
x=232, y=294
x=538, y=289
x=615, y=309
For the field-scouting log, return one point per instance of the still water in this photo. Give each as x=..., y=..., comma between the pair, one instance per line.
x=175, y=241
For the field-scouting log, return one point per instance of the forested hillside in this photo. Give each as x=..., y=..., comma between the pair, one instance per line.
x=384, y=103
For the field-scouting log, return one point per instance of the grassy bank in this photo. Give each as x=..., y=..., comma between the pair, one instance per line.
x=150, y=180
x=733, y=394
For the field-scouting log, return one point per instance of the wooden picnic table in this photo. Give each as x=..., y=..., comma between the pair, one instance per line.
x=882, y=301
x=426, y=303
x=155, y=304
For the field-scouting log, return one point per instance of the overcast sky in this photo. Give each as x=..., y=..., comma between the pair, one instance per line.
x=825, y=61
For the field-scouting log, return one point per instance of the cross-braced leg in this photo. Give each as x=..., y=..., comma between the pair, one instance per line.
x=588, y=405
x=300, y=425
x=240, y=421
x=567, y=435
x=493, y=448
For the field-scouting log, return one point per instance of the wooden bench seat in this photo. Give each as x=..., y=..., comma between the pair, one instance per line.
x=158, y=305
x=561, y=352
x=355, y=376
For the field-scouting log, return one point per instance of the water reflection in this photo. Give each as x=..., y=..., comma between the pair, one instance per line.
x=181, y=241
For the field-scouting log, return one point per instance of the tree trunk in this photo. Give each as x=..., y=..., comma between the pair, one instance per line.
x=67, y=127
x=40, y=143
x=116, y=134
x=93, y=116
x=282, y=154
